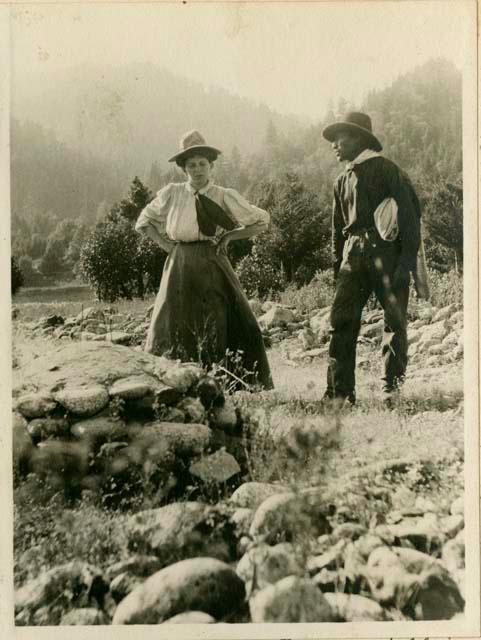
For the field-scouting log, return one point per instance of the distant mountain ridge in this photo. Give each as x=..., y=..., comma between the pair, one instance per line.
x=135, y=114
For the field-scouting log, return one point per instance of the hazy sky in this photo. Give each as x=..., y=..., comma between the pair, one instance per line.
x=291, y=56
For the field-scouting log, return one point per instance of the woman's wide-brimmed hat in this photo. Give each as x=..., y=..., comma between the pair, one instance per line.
x=193, y=143
x=356, y=122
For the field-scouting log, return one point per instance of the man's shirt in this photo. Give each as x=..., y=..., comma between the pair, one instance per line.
x=358, y=191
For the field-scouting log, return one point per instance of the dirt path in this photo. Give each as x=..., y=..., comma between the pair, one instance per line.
x=304, y=380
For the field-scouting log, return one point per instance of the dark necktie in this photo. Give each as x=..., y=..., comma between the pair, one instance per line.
x=210, y=215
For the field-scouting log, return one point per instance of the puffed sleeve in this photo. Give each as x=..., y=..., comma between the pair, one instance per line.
x=155, y=213
x=243, y=212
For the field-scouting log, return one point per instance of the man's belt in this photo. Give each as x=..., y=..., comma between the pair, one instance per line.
x=360, y=232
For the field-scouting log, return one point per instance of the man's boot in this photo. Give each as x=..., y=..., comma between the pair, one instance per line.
x=390, y=395
x=336, y=402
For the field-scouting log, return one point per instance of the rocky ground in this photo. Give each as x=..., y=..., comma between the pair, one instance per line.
x=239, y=507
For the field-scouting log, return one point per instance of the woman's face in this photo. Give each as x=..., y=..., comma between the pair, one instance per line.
x=198, y=170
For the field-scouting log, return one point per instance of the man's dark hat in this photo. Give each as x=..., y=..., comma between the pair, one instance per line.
x=191, y=143
x=355, y=122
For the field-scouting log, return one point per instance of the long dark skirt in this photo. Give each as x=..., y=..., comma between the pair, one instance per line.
x=201, y=313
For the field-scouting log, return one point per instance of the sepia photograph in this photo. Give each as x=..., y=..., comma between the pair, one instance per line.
x=242, y=383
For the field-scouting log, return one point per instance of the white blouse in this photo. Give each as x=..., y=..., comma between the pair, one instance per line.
x=173, y=215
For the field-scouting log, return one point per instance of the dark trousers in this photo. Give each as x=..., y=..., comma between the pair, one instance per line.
x=366, y=269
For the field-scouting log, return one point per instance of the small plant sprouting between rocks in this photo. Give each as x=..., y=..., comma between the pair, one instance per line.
x=296, y=452
x=117, y=408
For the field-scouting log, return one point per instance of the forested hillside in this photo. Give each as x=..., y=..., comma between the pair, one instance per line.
x=134, y=115
x=104, y=132
x=419, y=119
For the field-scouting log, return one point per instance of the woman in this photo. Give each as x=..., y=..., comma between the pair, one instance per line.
x=200, y=311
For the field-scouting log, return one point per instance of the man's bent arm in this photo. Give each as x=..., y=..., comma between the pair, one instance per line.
x=408, y=221
x=337, y=235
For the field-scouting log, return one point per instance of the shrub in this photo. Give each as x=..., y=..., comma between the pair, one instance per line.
x=72, y=255
x=315, y=295
x=108, y=261
x=300, y=232
x=438, y=257
x=38, y=246
x=118, y=263
x=115, y=260
x=16, y=275
x=52, y=260
x=139, y=197
x=260, y=274
x=26, y=267
x=150, y=262
x=446, y=288
x=443, y=221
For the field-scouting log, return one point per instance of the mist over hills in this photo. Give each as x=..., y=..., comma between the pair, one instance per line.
x=134, y=115
x=78, y=139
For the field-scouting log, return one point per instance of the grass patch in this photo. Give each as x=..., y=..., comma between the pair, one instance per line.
x=66, y=293
x=315, y=295
x=47, y=534
x=32, y=311
x=446, y=288
x=428, y=411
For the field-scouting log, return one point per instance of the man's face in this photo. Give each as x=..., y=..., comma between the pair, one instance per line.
x=347, y=146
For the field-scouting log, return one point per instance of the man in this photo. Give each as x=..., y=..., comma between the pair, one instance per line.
x=369, y=258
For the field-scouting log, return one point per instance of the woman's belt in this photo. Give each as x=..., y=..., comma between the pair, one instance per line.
x=194, y=242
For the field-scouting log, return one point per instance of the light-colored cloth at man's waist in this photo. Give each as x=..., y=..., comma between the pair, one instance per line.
x=360, y=232
x=192, y=242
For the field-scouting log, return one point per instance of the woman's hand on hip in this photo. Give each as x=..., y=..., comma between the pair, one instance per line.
x=239, y=233
x=166, y=245
x=223, y=243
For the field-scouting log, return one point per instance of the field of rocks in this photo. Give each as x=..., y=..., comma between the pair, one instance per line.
x=147, y=491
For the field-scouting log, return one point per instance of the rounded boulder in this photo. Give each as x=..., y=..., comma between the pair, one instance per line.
x=286, y=515
x=85, y=616
x=83, y=401
x=251, y=494
x=184, y=440
x=292, y=599
x=35, y=405
x=355, y=608
x=197, y=584
x=264, y=565
x=191, y=617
